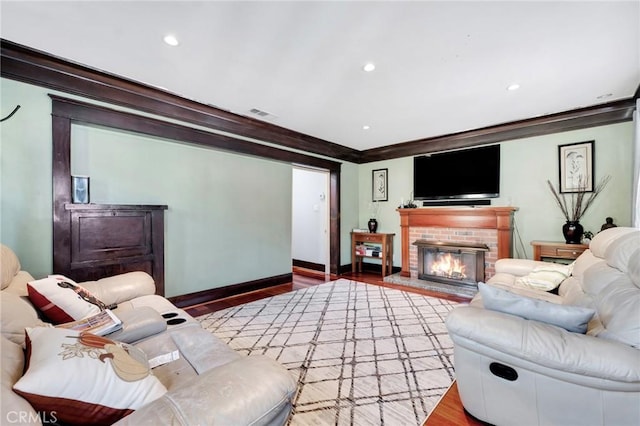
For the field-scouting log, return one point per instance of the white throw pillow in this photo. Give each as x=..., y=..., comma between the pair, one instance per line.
x=59, y=303
x=67, y=379
x=545, y=277
x=571, y=318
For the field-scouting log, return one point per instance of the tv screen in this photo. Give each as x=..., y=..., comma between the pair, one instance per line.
x=466, y=174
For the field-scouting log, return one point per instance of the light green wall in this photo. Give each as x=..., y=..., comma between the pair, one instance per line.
x=349, y=210
x=526, y=164
x=229, y=216
x=25, y=176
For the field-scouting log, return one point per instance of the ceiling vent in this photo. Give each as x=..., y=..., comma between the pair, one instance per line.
x=261, y=113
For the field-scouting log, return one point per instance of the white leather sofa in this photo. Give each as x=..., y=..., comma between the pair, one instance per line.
x=517, y=371
x=209, y=383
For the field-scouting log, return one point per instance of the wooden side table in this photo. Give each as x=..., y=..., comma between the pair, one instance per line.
x=386, y=250
x=557, y=250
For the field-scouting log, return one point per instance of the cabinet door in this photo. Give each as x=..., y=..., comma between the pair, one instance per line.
x=106, y=240
x=102, y=235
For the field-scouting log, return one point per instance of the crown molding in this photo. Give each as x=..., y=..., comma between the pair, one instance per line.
x=599, y=115
x=32, y=66
x=36, y=67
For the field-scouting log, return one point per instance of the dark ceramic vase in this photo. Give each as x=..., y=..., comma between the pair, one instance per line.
x=373, y=225
x=572, y=231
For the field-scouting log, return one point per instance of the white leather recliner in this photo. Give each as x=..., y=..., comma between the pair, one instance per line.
x=208, y=383
x=516, y=371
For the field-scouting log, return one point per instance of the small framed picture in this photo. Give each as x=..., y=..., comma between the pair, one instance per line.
x=380, y=185
x=576, y=167
x=80, y=189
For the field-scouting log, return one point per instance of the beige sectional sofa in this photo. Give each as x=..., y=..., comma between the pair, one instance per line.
x=205, y=381
x=514, y=369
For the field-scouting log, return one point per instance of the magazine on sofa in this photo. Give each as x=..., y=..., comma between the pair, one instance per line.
x=102, y=323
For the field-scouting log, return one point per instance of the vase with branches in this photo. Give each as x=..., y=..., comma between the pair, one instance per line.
x=574, y=205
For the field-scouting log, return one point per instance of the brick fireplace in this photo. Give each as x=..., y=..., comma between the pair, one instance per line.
x=490, y=226
x=451, y=262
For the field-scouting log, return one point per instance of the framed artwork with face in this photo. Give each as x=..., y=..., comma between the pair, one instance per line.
x=576, y=167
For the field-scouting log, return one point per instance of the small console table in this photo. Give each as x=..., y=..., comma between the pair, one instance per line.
x=386, y=250
x=556, y=250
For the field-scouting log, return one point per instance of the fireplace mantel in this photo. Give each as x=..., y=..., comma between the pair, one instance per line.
x=498, y=218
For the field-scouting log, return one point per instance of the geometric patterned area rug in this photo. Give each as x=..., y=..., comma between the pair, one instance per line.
x=361, y=354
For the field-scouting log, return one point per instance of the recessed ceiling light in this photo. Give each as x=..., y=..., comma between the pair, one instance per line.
x=512, y=87
x=365, y=127
x=369, y=67
x=171, y=40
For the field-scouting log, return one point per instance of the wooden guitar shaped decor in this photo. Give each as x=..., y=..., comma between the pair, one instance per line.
x=123, y=359
x=86, y=296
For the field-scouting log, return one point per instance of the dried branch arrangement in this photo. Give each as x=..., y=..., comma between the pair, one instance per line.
x=574, y=205
x=374, y=208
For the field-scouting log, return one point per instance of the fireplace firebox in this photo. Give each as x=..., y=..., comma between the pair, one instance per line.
x=451, y=262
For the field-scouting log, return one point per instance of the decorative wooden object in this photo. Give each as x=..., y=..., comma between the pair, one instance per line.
x=106, y=240
x=499, y=218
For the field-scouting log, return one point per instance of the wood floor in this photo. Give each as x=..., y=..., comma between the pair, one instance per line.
x=449, y=410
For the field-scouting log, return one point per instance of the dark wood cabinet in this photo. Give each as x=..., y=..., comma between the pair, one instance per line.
x=100, y=240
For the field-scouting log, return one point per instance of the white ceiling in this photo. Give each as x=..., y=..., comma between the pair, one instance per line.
x=442, y=67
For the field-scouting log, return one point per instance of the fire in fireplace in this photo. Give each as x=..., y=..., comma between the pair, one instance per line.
x=448, y=266
x=451, y=262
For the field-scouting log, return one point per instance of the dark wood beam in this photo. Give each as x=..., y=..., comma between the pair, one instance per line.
x=32, y=66
x=614, y=112
x=83, y=112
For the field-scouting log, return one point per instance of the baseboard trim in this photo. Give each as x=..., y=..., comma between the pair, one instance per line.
x=368, y=267
x=344, y=269
x=377, y=268
x=210, y=295
x=308, y=265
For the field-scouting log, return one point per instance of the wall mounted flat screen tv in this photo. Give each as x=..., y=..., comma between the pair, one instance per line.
x=466, y=174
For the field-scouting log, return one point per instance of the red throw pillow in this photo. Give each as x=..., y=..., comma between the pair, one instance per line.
x=60, y=299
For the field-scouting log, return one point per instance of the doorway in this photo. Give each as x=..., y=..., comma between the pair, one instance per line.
x=310, y=219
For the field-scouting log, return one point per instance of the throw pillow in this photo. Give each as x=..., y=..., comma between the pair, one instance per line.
x=61, y=299
x=571, y=318
x=545, y=277
x=69, y=380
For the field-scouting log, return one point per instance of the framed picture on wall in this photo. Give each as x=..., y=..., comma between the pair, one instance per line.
x=80, y=189
x=379, y=185
x=576, y=167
